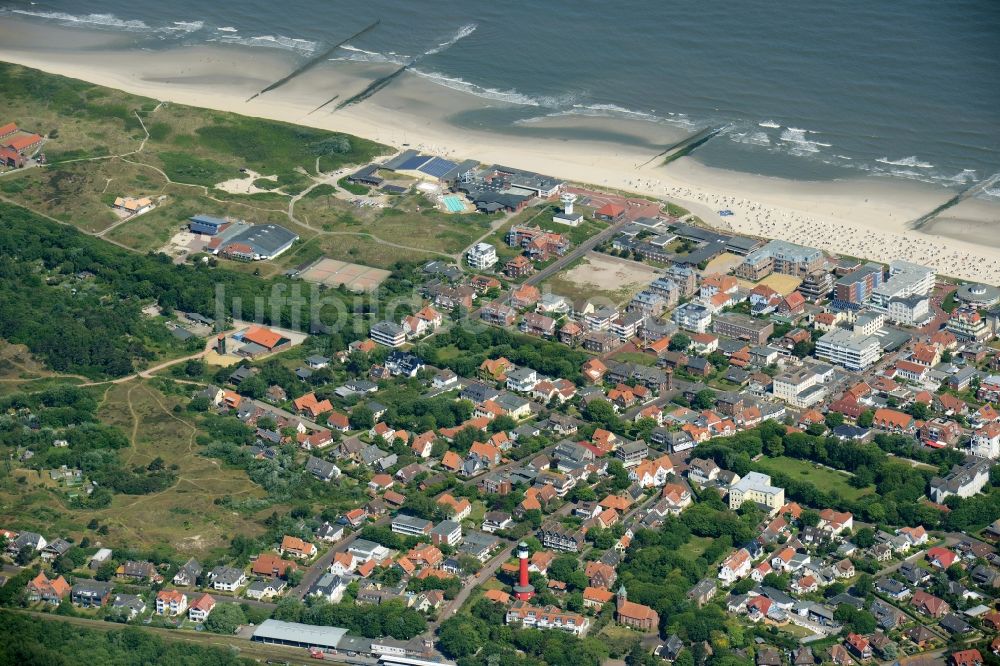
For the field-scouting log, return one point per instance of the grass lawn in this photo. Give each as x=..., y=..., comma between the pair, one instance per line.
x=693, y=549
x=796, y=631
x=81, y=193
x=366, y=250
x=20, y=371
x=827, y=480
x=477, y=513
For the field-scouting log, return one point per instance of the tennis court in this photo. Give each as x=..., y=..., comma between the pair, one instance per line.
x=333, y=273
x=453, y=204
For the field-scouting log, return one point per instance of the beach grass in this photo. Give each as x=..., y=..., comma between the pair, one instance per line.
x=413, y=221
x=197, y=526
x=192, y=146
x=353, y=188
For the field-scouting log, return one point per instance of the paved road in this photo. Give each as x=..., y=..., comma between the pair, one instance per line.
x=577, y=252
x=288, y=415
x=320, y=566
x=469, y=586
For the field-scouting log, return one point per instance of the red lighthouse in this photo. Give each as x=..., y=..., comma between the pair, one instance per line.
x=523, y=590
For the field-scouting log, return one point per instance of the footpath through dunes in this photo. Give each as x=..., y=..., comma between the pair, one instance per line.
x=312, y=62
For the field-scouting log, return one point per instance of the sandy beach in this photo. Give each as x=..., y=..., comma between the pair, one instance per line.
x=865, y=217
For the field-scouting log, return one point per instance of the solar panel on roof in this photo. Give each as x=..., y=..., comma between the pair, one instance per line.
x=413, y=163
x=437, y=167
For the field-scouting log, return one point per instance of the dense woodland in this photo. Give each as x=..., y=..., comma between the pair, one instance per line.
x=29, y=641
x=94, y=326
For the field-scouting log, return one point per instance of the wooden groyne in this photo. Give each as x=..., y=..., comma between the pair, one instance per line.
x=686, y=146
x=313, y=62
x=970, y=191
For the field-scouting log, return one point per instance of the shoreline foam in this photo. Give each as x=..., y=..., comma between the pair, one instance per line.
x=863, y=217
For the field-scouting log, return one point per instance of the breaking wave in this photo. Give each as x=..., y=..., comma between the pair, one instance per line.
x=103, y=20
x=354, y=54
x=509, y=96
x=303, y=46
x=462, y=33
x=800, y=144
x=911, y=162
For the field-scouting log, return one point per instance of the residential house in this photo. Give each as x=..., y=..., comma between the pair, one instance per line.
x=50, y=591
x=171, y=602
x=201, y=608
x=91, y=593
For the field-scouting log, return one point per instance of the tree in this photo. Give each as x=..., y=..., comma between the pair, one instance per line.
x=866, y=418
x=864, y=586
x=809, y=518
x=834, y=419
x=225, y=619
x=679, y=342
x=106, y=571
x=803, y=348
x=919, y=410
x=199, y=404
x=362, y=418
x=704, y=399
x=602, y=413
x=864, y=538
x=619, y=475
x=562, y=567
x=25, y=555
x=502, y=423
x=459, y=637
x=777, y=581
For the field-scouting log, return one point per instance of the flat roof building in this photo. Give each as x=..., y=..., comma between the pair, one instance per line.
x=779, y=256
x=857, y=286
x=854, y=352
x=905, y=279
x=742, y=327
x=482, y=256
x=256, y=242
x=298, y=635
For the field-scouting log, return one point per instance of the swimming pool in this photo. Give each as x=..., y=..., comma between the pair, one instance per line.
x=453, y=204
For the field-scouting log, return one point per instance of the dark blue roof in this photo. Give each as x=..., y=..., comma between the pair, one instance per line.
x=208, y=219
x=413, y=163
x=437, y=167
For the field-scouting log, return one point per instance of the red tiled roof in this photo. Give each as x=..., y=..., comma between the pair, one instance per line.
x=264, y=337
x=611, y=210
x=22, y=142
